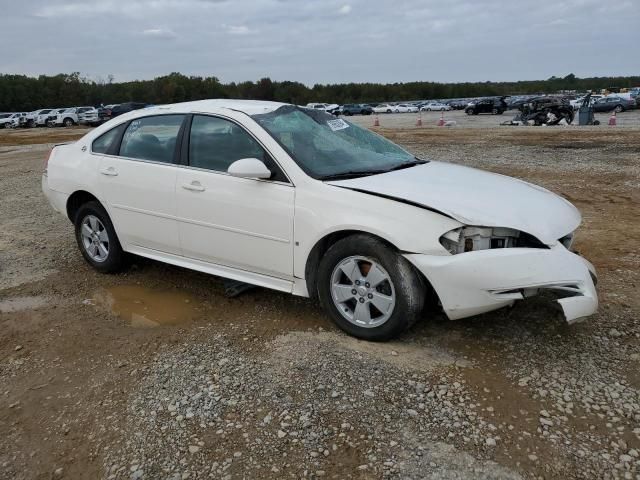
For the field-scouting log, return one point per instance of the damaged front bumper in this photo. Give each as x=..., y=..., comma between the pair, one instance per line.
x=477, y=282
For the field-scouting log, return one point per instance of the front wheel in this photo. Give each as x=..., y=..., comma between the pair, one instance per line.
x=619, y=108
x=97, y=238
x=368, y=289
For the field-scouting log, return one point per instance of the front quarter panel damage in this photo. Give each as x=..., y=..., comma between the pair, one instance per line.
x=477, y=282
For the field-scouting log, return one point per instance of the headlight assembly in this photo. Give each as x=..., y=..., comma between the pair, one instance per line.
x=469, y=239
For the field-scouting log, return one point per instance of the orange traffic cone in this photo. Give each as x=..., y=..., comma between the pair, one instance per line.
x=613, y=119
x=441, y=121
x=376, y=122
x=419, y=121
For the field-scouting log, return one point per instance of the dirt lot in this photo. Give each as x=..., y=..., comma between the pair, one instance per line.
x=154, y=374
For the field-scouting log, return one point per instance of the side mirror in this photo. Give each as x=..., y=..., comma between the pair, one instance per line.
x=249, y=168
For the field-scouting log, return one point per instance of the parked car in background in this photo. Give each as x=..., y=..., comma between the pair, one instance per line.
x=104, y=112
x=435, y=107
x=355, y=109
x=11, y=120
x=327, y=107
x=5, y=120
x=613, y=103
x=383, y=108
x=126, y=108
x=495, y=106
x=37, y=118
x=88, y=116
x=458, y=104
x=64, y=117
x=577, y=103
x=405, y=108
x=376, y=230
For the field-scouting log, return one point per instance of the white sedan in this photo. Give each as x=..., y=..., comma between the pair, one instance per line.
x=435, y=107
x=384, y=108
x=405, y=108
x=298, y=201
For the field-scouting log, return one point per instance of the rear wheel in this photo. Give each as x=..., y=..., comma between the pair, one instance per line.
x=619, y=108
x=368, y=289
x=68, y=122
x=97, y=238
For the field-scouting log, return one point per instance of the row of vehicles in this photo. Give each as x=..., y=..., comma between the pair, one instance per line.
x=367, y=109
x=67, y=117
x=497, y=105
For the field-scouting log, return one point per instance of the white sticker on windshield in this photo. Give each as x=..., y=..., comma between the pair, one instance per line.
x=337, y=124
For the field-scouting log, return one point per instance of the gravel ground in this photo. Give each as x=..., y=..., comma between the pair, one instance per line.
x=264, y=386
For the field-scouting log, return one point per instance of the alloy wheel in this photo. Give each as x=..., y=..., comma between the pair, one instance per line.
x=362, y=291
x=95, y=238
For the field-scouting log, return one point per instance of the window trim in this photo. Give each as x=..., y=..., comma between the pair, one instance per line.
x=184, y=153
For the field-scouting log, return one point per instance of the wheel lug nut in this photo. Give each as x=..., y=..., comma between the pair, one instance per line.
x=370, y=295
x=367, y=284
x=361, y=299
x=354, y=291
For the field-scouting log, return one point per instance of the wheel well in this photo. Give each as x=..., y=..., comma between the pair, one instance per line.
x=319, y=249
x=76, y=200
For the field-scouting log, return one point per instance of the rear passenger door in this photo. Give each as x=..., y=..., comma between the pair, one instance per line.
x=241, y=223
x=137, y=177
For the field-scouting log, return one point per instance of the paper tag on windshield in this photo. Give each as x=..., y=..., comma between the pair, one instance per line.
x=337, y=124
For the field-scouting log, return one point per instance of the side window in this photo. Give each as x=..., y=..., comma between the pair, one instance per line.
x=215, y=143
x=104, y=141
x=152, y=138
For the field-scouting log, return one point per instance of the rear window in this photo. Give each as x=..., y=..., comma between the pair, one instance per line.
x=152, y=138
x=104, y=141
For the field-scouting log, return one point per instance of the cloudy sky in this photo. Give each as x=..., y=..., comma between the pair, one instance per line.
x=322, y=41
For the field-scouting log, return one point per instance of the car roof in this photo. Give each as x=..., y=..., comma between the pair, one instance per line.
x=250, y=107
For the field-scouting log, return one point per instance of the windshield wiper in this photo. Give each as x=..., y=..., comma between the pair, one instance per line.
x=352, y=174
x=410, y=164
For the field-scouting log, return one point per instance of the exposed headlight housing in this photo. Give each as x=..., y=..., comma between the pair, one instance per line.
x=469, y=239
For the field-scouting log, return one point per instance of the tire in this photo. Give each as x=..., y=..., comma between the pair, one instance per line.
x=619, y=108
x=388, y=111
x=347, y=113
x=442, y=109
x=68, y=122
x=494, y=111
x=469, y=111
x=114, y=260
x=402, y=291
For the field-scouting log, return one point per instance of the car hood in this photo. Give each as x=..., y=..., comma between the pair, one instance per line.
x=475, y=197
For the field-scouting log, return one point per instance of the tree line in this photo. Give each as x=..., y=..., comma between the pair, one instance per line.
x=24, y=93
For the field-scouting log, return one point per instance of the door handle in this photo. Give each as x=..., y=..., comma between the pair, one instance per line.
x=194, y=186
x=110, y=172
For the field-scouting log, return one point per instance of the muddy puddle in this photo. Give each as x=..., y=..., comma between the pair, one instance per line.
x=20, y=304
x=147, y=308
